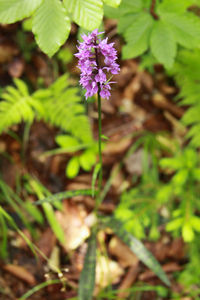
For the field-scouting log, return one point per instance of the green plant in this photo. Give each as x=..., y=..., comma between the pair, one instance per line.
x=51, y=19
x=184, y=186
x=140, y=208
x=59, y=105
x=187, y=74
x=157, y=25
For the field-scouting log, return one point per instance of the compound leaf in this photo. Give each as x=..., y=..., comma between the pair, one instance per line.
x=137, y=35
x=163, y=44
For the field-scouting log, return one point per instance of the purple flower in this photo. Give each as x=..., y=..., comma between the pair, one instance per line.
x=97, y=61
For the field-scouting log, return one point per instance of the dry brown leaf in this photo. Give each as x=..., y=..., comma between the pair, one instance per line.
x=47, y=242
x=168, y=268
x=133, y=162
x=107, y=272
x=124, y=255
x=71, y=220
x=161, y=101
x=7, y=50
x=16, y=67
x=128, y=281
x=20, y=272
x=117, y=146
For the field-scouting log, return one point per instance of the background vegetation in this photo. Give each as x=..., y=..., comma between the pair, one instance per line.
x=49, y=161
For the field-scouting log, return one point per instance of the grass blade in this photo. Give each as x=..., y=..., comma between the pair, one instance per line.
x=39, y=287
x=65, y=195
x=87, y=277
x=138, y=248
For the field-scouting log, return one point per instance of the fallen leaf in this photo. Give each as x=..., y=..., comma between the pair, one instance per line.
x=124, y=255
x=21, y=273
x=107, y=272
x=71, y=220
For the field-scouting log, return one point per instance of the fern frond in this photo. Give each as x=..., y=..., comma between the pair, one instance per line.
x=187, y=74
x=63, y=109
x=17, y=105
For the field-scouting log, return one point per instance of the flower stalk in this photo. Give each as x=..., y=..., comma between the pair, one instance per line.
x=97, y=62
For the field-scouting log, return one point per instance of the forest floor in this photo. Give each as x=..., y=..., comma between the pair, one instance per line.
x=141, y=101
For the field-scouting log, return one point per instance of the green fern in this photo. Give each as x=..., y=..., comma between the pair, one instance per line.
x=187, y=74
x=62, y=108
x=59, y=105
x=17, y=105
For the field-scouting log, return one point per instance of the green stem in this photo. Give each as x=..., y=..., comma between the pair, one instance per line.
x=99, y=144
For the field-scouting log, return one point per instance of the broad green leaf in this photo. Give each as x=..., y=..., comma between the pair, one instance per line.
x=138, y=248
x=51, y=26
x=14, y=10
x=128, y=7
x=171, y=6
x=137, y=35
x=64, y=195
x=73, y=167
x=87, y=277
x=113, y=3
x=163, y=44
x=186, y=28
x=86, y=13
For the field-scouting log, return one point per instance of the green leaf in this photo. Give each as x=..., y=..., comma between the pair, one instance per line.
x=137, y=35
x=87, y=278
x=51, y=26
x=87, y=159
x=57, y=229
x=185, y=27
x=86, y=13
x=195, y=222
x=14, y=10
x=163, y=44
x=38, y=287
x=64, y=195
x=67, y=142
x=34, y=212
x=180, y=177
x=174, y=224
x=73, y=167
x=171, y=6
x=187, y=232
x=138, y=248
x=113, y=3
x=17, y=105
x=128, y=7
x=104, y=137
x=173, y=163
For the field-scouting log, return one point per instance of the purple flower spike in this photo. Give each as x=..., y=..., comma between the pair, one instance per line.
x=97, y=62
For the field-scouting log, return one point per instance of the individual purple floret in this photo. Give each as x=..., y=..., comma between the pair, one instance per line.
x=97, y=62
